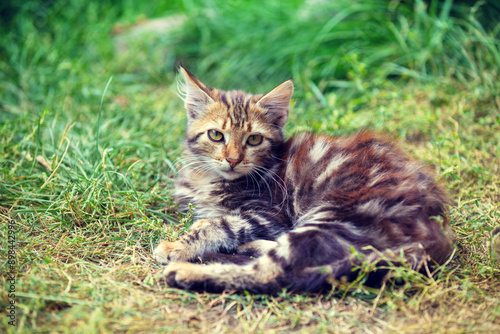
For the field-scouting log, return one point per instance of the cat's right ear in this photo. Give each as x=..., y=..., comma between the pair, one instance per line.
x=194, y=93
x=277, y=101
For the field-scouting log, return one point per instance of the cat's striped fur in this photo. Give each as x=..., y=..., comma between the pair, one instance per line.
x=293, y=210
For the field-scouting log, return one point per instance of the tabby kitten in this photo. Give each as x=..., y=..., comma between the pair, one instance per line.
x=293, y=210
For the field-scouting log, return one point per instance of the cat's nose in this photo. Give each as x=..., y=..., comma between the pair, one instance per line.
x=233, y=162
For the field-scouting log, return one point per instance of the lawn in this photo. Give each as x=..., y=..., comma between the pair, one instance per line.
x=91, y=130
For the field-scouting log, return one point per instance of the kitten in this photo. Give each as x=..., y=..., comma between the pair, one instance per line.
x=293, y=211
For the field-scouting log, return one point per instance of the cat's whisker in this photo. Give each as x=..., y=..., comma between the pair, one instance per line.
x=281, y=184
x=190, y=162
x=246, y=179
x=204, y=169
x=257, y=170
x=188, y=159
x=191, y=165
x=185, y=159
x=194, y=166
x=253, y=185
x=254, y=181
x=193, y=162
x=275, y=157
x=268, y=170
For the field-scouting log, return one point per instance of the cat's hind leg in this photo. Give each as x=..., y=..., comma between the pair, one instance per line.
x=258, y=276
x=278, y=268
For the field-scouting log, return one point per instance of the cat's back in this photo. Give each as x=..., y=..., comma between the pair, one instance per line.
x=362, y=159
x=364, y=179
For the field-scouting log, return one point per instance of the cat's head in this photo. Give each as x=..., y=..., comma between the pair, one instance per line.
x=231, y=133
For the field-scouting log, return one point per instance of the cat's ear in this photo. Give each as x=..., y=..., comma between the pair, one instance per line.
x=194, y=93
x=277, y=101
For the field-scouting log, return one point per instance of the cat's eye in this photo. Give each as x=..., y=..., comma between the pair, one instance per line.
x=215, y=135
x=254, y=140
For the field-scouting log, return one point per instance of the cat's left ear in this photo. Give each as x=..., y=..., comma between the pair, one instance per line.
x=277, y=101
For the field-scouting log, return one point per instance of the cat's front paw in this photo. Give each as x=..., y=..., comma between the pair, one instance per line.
x=189, y=276
x=167, y=251
x=181, y=275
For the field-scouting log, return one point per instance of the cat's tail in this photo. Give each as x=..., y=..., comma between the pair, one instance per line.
x=372, y=268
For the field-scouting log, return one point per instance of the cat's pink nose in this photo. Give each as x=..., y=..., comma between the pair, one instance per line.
x=233, y=162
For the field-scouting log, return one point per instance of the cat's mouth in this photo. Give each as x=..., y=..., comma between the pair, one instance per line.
x=231, y=173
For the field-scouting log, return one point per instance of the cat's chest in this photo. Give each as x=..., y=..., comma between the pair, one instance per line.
x=217, y=198
x=202, y=192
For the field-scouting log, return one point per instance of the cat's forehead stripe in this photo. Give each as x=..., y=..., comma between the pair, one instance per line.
x=223, y=99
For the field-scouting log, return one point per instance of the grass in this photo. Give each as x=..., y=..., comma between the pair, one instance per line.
x=89, y=141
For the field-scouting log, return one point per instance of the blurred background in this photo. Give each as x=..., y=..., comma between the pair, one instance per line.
x=346, y=45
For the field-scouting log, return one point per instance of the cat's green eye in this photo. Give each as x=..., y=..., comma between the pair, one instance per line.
x=255, y=140
x=215, y=135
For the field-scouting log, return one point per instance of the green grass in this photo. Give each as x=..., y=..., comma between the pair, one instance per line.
x=89, y=142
